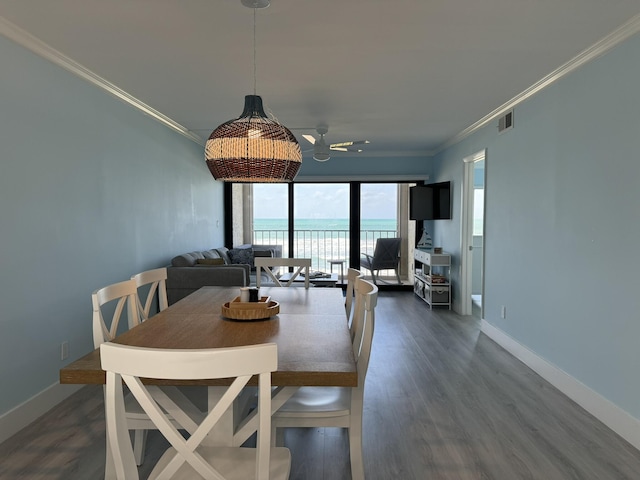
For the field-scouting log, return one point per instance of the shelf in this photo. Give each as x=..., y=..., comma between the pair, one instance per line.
x=425, y=280
x=433, y=293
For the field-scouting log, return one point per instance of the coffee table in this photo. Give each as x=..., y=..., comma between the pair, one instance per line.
x=329, y=281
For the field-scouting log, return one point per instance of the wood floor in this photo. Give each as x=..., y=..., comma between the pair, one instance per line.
x=442, y=401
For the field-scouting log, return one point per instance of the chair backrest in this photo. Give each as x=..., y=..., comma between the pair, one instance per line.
x=301, y=265
x=386, y=253
x=366, y=298
x=122, y=362
x=123, y=294
x=157, y=281
x=352, y=274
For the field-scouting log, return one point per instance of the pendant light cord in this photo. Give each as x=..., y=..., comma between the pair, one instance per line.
x=254, y=51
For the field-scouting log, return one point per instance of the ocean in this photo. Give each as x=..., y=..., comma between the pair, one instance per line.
x=322, y=239
x=323, y=224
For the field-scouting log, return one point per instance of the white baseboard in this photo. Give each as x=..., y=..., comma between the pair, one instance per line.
x=621, y=422
x=19, y=417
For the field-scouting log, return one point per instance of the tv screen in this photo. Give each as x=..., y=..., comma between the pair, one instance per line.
x=421, y=203
x=430, y=202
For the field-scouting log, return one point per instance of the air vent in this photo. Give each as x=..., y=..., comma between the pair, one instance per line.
x=505, y=122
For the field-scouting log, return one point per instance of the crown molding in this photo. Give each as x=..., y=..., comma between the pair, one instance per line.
x=625, y=31
x=37, y=46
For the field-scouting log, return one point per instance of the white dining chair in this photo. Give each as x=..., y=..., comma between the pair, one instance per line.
x=352, y=274
x=116, y=299
x=271, y=266
x=156, y=280
x=187, y=457
x=121, y=296
x=337, y=406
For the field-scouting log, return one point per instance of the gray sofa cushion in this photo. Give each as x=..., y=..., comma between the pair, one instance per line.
x=181, y=281
x=213, y=253
x=211, y=275
x=223, y=252
x=186, y=259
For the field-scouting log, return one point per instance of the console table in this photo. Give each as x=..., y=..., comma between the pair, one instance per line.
x=432, y=279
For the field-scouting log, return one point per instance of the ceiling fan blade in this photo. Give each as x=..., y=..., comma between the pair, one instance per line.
x=309, y=139
x=345, y=149
x=349, y=144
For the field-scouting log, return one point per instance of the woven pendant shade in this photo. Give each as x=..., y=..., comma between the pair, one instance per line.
x=253, y=148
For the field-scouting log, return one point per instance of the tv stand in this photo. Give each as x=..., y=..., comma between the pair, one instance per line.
x=432, y=278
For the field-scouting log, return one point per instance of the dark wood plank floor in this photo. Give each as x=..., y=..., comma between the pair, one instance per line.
x=442, y=401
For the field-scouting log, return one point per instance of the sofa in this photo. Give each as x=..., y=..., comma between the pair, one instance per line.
x=219, y=267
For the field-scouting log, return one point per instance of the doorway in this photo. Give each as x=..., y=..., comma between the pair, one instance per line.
x=473, y=234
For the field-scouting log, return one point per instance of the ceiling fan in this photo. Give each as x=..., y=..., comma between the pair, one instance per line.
x=322, y=150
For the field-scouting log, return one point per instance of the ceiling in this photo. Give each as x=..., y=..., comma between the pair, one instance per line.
x=408, y=75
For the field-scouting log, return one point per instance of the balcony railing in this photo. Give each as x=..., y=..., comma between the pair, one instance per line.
x=321, y=245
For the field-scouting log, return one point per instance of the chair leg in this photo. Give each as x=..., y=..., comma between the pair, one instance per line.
x=109, y=467
x=373, y=277
x=355, y=448
x=398, y=276
x=139, y=442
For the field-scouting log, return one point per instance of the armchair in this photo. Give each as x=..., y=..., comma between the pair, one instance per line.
x=386, y=256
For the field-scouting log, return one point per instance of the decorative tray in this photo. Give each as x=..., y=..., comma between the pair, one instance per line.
x=260, y=310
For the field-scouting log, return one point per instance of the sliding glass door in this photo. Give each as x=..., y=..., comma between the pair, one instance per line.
x=324, y=221
x=321, y=223
x=378, y=214
x=270, y=205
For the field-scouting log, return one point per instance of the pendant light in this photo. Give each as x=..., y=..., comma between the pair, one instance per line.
x=253, y=148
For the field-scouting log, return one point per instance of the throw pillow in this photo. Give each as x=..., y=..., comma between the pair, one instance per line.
x=241, y=255
x=210, y=261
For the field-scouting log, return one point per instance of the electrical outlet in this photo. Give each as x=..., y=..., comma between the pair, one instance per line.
x=64, y=350
x=503, y=312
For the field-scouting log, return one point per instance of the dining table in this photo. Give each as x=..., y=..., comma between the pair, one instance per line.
x=310, y=331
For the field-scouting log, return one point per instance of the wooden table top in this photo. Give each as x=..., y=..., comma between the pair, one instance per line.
x=314, y=345
x=331, y=280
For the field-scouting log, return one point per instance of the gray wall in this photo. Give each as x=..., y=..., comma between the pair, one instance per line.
x=563, y=223
x=91, y=192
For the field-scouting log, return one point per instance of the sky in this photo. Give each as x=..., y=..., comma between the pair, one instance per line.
x=323, y=200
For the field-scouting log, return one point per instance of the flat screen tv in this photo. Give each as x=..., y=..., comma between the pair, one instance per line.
x=430, y=202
